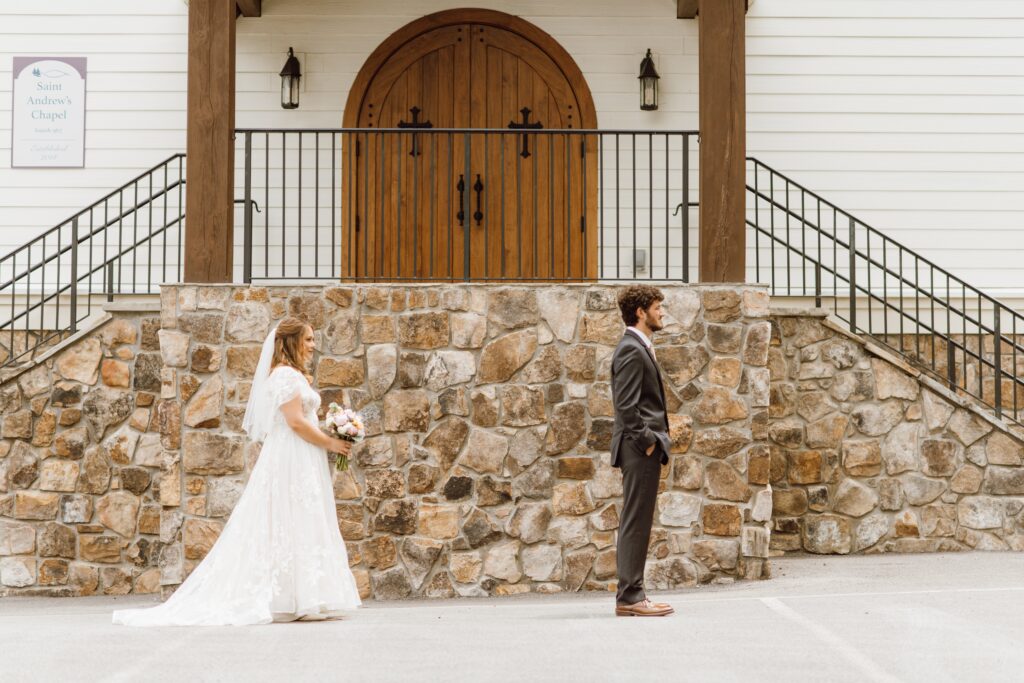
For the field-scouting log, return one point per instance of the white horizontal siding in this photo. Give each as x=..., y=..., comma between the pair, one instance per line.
x=907, y=113
x=135, y=117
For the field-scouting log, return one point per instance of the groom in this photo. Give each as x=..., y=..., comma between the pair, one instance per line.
x=640, y=443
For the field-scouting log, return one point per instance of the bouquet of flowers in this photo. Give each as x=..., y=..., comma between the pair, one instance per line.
x=345, y=424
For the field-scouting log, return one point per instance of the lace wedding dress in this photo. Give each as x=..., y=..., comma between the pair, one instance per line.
x=280, y=556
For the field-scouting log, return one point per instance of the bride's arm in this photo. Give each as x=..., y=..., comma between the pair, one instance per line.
x=308, y=431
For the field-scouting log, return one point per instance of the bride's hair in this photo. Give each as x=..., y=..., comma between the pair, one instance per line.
x=288, y=345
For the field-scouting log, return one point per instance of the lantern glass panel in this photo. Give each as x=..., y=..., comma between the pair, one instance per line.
x=290, y=92
x=648, y=94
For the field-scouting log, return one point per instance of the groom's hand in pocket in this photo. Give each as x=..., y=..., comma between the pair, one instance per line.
x=650, y=449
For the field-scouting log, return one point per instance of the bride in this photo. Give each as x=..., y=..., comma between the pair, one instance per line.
x=280, y=556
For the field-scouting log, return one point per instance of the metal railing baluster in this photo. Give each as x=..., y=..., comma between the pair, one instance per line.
x=433, y=204
x=997, y=351
x=247, y=214
x=284, y=200
x=316, y=205
x=74, y=278
x=501, y=173
x=686, y=208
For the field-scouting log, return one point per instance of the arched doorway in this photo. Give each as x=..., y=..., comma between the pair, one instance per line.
x=512, y=203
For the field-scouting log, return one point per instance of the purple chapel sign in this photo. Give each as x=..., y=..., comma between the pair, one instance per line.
x=48, y=112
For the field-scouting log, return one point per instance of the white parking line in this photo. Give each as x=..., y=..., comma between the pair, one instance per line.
x=855, y=657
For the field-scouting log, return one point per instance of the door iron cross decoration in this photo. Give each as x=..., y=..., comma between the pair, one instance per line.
x=525, y=124
x=415, y=123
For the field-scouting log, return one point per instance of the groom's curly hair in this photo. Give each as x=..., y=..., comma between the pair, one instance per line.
x=288, y=345
x=637, y=296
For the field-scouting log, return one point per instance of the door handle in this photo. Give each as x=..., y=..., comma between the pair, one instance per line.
x=461, y=187
x=478, y=186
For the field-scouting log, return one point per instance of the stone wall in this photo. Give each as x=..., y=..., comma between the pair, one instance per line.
x=82, y=466
x=933, y=353
x=869, y=456
x=26, y=345
x=486, y=471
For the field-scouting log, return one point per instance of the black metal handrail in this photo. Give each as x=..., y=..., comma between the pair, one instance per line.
x=413, y=204
x=106, y=248
x=804, y=245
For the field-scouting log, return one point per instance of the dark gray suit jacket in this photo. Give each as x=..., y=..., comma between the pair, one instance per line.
x=638, y=398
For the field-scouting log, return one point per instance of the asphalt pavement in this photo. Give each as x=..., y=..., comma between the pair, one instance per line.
x=930, y=618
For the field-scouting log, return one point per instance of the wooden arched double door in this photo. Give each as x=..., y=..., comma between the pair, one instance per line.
x=461, y=203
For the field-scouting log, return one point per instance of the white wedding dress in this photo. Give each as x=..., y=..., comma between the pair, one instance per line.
x=280, y=556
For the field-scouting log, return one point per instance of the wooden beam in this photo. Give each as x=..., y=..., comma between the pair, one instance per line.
x=209, y=192
x=722, y=105
x=687, y=9
x=250, y=8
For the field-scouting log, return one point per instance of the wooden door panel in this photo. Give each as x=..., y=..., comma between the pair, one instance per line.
x=534, y=202
x=526, y=222
x=403, y=200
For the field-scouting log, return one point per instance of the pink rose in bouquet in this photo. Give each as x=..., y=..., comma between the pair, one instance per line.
x=345, y=424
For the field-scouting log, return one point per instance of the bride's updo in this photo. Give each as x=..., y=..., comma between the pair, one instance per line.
x=288, y=345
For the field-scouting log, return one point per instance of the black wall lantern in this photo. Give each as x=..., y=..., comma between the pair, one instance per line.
x=648, y=84
x=290, y=77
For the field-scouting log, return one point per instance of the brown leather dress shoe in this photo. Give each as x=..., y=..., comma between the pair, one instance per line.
x=644, y=608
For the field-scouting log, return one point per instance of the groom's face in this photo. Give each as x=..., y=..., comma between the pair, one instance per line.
x=652, y=316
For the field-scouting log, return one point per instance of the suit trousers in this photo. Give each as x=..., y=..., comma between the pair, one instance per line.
x=640, y=476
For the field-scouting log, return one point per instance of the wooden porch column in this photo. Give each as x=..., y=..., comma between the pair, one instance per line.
x=723, y=145
x=209, y=193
